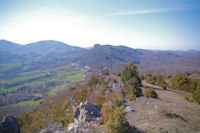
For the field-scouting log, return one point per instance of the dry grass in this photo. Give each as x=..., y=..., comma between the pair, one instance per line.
x=186, y=98
x=163, y=111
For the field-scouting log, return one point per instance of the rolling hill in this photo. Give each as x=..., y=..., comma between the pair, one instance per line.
x=8, y=46
x=30, y=73
x=164, y=62
x=50, y=52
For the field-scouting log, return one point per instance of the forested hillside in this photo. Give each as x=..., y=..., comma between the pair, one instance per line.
x=120, y=103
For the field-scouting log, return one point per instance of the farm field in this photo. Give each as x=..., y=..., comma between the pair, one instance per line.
x=30, y=88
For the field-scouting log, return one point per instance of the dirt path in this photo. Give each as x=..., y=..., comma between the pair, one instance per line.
x=183, y=117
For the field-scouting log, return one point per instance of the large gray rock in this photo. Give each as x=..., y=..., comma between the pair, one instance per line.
x=78, y=128
x=129, y=109
x=9, y=125
x=86, y=112
x=116, y=86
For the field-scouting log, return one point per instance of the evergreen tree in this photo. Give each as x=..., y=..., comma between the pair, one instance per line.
x=129, y=72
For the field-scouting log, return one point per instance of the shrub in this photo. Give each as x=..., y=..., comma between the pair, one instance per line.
x=117, y=103
x=102, y=82
x=93, y=80
x=113, y=96
x=103, y=90
x=144, y=86
x=105, y=110
x=131, y=96
x=118, y=74
x=161, y=81
x=123, y=93
x=81, y=95
x=72, y=87
x=134, y=82
x=50, y=112
x=114, y=80
x=91, y=89
x=149, y=78
x=163, y=85
x=113, y=117
x=116, y=122
x=106, y=72
x=150, y=93
x=186, y=98
x=100, y=100
x=183, y=82
x=133, y=87
x=129, y=72
x=196, y=95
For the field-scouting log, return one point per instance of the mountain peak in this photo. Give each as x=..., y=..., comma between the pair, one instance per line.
x=47, y=42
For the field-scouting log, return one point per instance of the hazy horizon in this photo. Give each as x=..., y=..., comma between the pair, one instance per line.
x=106, y=44
x=152, y=24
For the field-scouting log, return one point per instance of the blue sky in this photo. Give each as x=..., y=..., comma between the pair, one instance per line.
x=146, y=24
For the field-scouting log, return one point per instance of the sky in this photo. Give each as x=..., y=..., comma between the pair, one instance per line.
x=145, y=24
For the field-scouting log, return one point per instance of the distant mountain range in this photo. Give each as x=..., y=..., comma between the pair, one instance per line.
x=113, y=57
x=40, y=47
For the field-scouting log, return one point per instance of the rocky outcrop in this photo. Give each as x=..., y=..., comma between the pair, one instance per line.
x=79, y=128
x=86, y=114
x=9, y=125
x=128, y=109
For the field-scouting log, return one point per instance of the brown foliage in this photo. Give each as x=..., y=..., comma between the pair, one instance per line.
x=150, y=93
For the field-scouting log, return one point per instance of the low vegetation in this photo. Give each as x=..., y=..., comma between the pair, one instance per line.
x=50, y=112
x=196, y=95
x=114, y=118
x=185, y=83
x=112, y=108
x=96, y=90
x=156, y=80
x=177, y=82
x=150, y=93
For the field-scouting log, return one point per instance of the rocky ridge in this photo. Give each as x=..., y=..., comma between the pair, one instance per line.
x=85, y=115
